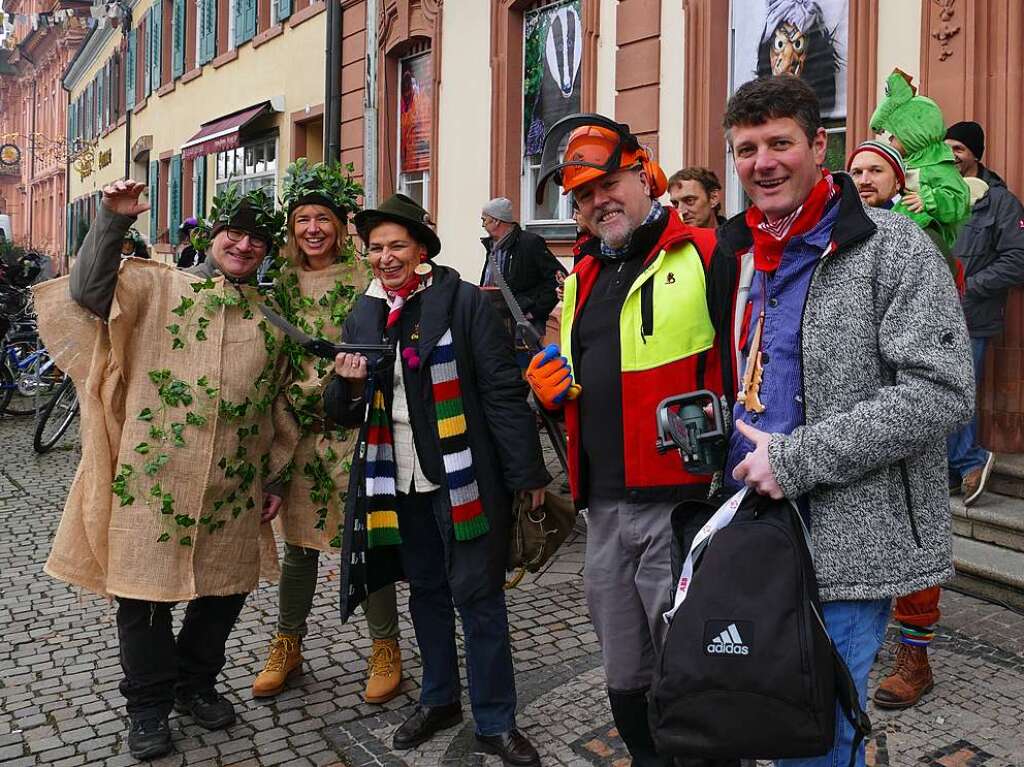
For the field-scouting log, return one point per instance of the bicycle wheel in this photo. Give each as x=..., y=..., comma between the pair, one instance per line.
x=56, y=417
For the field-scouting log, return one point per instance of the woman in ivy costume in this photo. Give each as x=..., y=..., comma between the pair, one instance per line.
x=315, y=292
x=176, y=379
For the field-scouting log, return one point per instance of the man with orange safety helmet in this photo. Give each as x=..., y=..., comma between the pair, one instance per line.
x=635, y=330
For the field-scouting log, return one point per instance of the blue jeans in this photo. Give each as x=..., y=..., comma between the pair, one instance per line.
x=858, y=629
x=489, y=673
x=965, y=454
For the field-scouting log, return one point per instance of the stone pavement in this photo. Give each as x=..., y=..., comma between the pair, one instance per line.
x=59, y=702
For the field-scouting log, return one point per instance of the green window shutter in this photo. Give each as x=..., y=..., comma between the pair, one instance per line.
x=69, y=220
x=178, y=40
x=207, y=30
x=158, y=43
x=89, y=111
x=129, y=72
x=174, y=199
x=154, y=201
x=147, y=52
x=200, y=177
x=245, y=21
x=71, y=124
x=284, y=9
x=98, y=90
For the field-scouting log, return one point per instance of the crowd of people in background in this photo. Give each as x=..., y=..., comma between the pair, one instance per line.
x=843, y=319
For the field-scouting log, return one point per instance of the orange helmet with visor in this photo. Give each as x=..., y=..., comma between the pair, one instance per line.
x=594, y=147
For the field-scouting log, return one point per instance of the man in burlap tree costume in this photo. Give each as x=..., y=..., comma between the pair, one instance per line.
x=176, y=379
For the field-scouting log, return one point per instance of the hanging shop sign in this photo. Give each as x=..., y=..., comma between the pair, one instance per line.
x=10, y=155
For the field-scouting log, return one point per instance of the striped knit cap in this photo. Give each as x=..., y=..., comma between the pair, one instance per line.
x=888, y=153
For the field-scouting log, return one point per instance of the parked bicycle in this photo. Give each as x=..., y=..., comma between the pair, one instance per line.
x=33, y=375
x=56, y=416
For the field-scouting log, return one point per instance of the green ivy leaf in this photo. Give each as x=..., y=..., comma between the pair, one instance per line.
x=175, y=328
x=142, y=448
x=177, y=343
x=164, y=537
x=186, y=540
x=200, y=335
x=155, y=432
x=167, y=504
x=184, y=306
x=145, y=415
x=160, y=377
x=195, y=419
x=184, y=520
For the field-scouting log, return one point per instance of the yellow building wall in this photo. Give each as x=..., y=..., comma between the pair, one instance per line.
x=289, y=66
x=464, y=134
x=899, y=41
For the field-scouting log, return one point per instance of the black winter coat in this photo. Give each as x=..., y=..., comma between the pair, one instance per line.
x=991, y=248
x=502, y=429
x=531, y=272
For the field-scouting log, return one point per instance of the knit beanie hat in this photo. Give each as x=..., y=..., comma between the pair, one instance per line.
x=888, y=153
x=501, y=209
x=970, y=134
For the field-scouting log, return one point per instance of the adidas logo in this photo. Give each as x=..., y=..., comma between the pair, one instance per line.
x=729, y=642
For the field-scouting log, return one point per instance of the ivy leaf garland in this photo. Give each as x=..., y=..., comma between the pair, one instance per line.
x=170, y=428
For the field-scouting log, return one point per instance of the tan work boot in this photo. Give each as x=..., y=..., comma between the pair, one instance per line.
x=911, y=678
x=285, y=657
x=385, y=671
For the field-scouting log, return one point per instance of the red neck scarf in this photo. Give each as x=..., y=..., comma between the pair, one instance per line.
x=396, y=298
x=771, y=238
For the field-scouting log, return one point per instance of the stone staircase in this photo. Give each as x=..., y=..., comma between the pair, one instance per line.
x=988, y=538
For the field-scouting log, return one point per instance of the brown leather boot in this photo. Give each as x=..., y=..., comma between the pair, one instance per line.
x=285, y=657
x=911, y=678
x=385, y=671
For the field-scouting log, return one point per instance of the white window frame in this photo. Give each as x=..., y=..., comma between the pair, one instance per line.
x=403, y=183
x=246, y=180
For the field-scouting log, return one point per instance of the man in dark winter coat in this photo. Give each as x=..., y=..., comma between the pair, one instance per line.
x=447, y=439
x=529, y=268
x=991, y=248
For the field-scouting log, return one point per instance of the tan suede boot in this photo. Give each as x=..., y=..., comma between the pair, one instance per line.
x=385, y=671
x=285, y=657
x=911, y=678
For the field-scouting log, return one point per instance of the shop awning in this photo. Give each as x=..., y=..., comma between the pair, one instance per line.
x=223, y=133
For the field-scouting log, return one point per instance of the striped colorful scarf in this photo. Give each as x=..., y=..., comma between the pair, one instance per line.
x=468, y=516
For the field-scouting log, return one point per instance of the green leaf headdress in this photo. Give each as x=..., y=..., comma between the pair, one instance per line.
x=253, y=212
x=328, y=184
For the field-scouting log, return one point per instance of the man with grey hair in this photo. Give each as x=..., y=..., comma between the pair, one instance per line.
x=529, y=268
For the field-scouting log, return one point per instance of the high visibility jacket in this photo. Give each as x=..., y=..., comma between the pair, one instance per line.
x=665, y=332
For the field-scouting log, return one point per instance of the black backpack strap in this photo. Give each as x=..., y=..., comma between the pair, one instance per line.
x=846, y=690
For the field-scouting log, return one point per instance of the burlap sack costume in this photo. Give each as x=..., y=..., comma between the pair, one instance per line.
x=311, y=515
x=165, y=505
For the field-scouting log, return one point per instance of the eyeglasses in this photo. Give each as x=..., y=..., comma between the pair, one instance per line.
x=256, y=243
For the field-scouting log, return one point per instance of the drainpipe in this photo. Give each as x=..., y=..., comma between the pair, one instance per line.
x=126, y=28
x=32, y=147
x=332, y=80
x=69, y=235
x=370, y=110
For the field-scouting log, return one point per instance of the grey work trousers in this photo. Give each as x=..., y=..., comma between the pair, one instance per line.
x=629, y=584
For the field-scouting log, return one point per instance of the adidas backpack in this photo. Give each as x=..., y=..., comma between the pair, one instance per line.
x=747, y=670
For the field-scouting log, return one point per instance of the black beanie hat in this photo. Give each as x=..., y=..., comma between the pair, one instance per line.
x=970, y=134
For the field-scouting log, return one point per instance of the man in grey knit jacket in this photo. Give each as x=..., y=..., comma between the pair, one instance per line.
x=848, y=349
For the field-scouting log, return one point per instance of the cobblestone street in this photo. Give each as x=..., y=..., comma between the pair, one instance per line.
x=59, y=669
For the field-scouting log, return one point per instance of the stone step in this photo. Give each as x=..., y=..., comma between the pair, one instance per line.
x=989, y=571
x=995, y=519
x=1008, y=475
